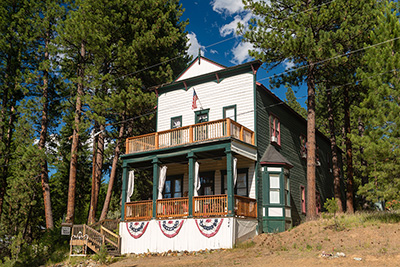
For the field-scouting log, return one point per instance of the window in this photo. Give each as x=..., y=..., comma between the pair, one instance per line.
x=287, y=191
x=303, y=146
x=274, y=189
x=242, y=185
x=173, y=187
x=230, y=112
x=207, y=183
x=303, y=199
x=201, y=115
x=176, y=122
x=274, y=129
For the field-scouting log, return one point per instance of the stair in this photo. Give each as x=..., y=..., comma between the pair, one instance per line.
x=97, y=238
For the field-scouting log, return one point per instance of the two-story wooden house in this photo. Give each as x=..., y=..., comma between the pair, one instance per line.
x=228, y=162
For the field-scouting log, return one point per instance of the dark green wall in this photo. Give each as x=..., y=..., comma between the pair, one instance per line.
x=292, y=126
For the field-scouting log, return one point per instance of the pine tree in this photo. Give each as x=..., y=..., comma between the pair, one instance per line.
x=379, y=111
x=307, y=33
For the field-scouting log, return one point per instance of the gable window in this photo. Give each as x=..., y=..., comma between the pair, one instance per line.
x=229, y=112
x=201, y=116
x=242, y=183
x=303, y=146
x=275, y=129
x=176, y=122
x=173, y=187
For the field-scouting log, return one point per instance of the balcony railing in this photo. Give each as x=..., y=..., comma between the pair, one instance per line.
x=139, y=210
x=172, y=207
x=203, y=206
x=189, y=134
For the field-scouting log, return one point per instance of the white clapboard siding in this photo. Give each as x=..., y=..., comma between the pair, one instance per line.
x=236, y=90
x=196, y=69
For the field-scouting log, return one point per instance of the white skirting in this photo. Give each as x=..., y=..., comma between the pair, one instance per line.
x=188, y=236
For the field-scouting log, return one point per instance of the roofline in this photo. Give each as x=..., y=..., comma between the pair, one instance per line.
x=277, y=164
x=183, y=83
x=194, y=61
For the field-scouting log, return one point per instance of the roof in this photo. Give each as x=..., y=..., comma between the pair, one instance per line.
x=273, y=157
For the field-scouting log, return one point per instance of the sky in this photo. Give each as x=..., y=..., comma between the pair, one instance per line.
x=212, y=28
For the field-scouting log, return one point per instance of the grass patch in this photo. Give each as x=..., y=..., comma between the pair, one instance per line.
x=245, y=245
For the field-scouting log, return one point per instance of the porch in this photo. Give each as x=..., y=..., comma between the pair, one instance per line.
x=202, y=207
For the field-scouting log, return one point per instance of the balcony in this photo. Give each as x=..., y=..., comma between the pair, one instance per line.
x=203, y=206
x=188, y=135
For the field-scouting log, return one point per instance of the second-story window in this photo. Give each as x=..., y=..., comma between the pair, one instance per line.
x=201, y=116
x=176, y=122
x=230, y=112
x=275, y=130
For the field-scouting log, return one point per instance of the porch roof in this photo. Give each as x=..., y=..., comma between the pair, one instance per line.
x=273, y=157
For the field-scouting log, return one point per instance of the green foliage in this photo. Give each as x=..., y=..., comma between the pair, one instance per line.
x=331, y=205
x=378, y=145
x=102, y=256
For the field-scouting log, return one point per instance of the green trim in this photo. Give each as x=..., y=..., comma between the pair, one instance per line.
x=156, y=171
x=191, y=156
x=228, y=107
x=178, y=150
x=124, y=185
x=229, y=180
x=177, y=117
x=255, y=108
x=201, y=112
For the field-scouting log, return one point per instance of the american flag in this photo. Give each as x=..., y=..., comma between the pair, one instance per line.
x=195, y=98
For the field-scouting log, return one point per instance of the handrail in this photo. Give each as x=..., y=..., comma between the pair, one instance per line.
x=205, y=206
x=139, y=210
x=189, y=134
x=172, y=207
x=105, y=231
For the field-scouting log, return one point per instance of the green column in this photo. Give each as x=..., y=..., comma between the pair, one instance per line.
x=124, y=184
x=156, y=172
x=229, y=181
x=192, y=157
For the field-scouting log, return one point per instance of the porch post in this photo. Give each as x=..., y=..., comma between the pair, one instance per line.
x=229, y=181
x=191, y=156
x=156, y=172
x=124, y=184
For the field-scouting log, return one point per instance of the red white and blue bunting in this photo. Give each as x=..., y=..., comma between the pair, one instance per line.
x=170, y=228
x=136, y=229
x=209, y=227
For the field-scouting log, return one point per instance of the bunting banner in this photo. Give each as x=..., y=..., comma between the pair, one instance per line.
x=209, y=227
x=136, y=229
x=170, y=228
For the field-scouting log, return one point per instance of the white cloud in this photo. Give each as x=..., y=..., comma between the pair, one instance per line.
x=212, y=51
x=194, y=45
x=231, y=27
x=288, y=64
x=228, y=7
x=240, y=52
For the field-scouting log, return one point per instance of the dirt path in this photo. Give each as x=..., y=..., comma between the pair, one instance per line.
x=375, y=245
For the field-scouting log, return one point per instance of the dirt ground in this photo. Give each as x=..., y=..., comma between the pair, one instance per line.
x=310, y=244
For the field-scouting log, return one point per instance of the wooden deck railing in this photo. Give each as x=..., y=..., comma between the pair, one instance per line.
x=172, y=207
x=139, y=210
x=203, y=206
x=206, y=206
x=189, y=134
x=245, y=206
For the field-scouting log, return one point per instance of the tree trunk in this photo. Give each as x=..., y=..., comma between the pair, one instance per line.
x=335, y=165
x=311, y=201
x=97, y=172
x=75, y=141
x=113, y=173
x=44, y=177
x=349, y=153
x=91, y=217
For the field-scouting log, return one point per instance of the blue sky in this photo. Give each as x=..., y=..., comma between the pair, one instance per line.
x=214, y=21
